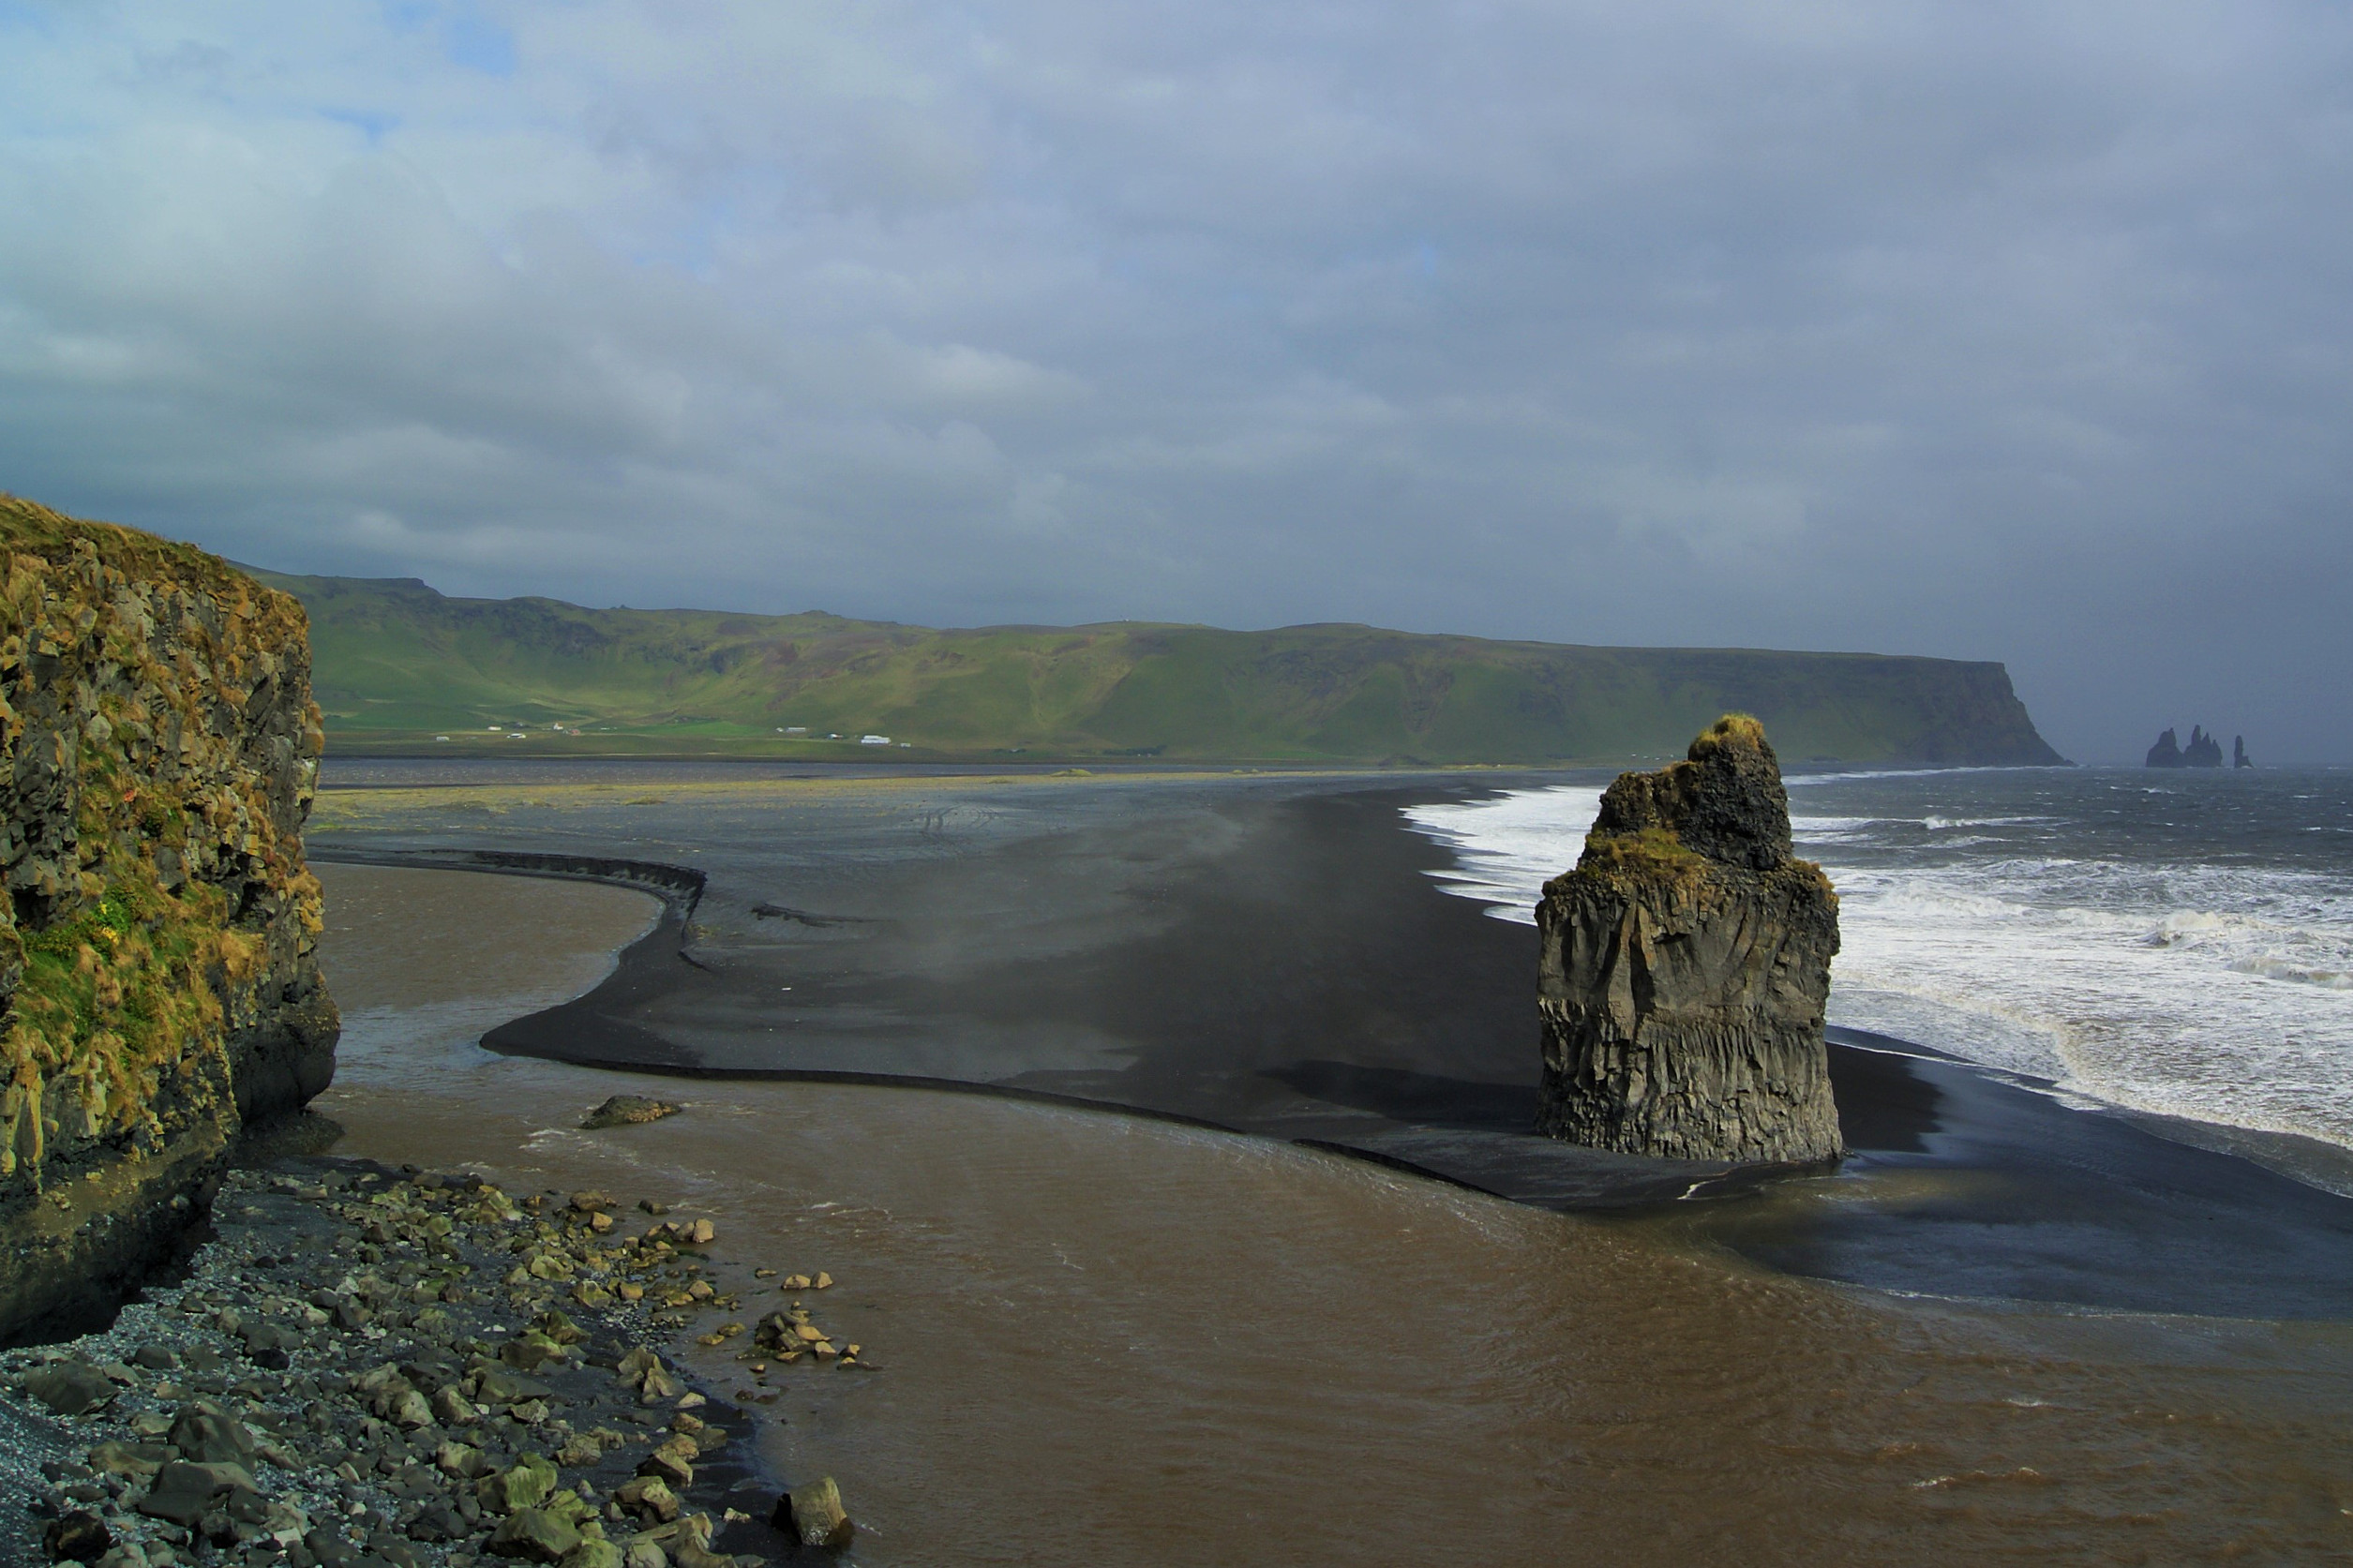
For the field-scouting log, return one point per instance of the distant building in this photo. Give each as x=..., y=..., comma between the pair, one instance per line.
x=874, y=741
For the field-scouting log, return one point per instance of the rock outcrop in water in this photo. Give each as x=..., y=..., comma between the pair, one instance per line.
x=1685, y=963
x=2238, y=758
x=159, y=987
x=2204, y=751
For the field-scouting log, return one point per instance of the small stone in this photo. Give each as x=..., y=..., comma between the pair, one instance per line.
x=437, y=1524
x=592, y=1203
x=702, y=1232
x=670, y=1465
x=534, y=1535
x=824, y=1281
x=594, y=1554
x=649, y=1498
x=454, y=1407
x=411, y=1411
x=77, y=1537
x=644, y=1554
x=70, y=1387
x=459, y=1460
x=814, y=1515
x=580, y=1453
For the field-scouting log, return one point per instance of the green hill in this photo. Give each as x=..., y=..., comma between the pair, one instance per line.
x=398, y=665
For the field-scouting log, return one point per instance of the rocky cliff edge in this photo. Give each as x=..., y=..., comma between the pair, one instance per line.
x=1685, y=966
x=159, y=990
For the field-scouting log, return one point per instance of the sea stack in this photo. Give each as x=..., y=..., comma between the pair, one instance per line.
x=1685, y=963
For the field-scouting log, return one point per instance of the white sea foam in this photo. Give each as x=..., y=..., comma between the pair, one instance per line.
x=2219, y=992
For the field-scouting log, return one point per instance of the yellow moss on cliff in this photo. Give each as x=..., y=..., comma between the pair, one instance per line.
x=153, y=849
x=1652, y=855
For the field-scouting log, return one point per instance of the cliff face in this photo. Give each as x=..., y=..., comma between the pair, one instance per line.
x=400, y=664
x=1685, y=963
x=159, y=989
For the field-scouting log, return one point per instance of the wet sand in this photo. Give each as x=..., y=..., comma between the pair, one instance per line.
x=1270, y=955
x=1111, y=1341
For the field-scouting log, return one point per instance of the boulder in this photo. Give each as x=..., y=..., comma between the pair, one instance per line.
x=814, y=1516
x=70, y=1387
x=628, y=1110
x=523, y=1485
x=206, y=1434
x=80, y=1536
x=185, y=1493
x=534, y=1535
x=1684, y=966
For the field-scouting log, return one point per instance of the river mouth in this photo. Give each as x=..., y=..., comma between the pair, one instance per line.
x=1111, y=1341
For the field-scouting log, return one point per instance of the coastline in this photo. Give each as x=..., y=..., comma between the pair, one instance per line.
x=1270, y=957
x=1287, y=1331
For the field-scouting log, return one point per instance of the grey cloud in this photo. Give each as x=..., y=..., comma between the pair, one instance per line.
x=2005, y=331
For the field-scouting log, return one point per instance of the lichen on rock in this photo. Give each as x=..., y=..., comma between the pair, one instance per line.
x=159, y=989
x=1685, y=963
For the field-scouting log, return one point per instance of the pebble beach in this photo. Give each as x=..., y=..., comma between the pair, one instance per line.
x=400, y=1368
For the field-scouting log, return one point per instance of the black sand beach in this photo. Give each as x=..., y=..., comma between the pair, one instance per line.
x=1269, y=955
x=1103, y=1337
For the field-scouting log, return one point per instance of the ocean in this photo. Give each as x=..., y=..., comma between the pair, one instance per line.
x=2178, y=943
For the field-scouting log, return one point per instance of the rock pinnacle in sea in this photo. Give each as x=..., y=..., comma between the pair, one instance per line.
x=1685, y=963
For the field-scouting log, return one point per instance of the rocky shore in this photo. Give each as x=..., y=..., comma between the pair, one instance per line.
x=397, y=1370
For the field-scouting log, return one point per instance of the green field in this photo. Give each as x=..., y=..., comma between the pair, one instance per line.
x=398, y=665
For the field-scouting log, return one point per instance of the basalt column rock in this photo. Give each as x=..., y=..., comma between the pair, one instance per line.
x=1685, y=961
x=159, y=990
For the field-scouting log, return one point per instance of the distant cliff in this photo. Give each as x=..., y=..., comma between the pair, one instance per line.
x=158, y=981
x=398, y=665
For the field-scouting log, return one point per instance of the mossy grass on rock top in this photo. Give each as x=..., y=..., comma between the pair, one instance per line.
x=1685, y=963
x=159, y=977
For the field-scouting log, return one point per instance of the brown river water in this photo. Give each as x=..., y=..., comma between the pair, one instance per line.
x=1105, y=1340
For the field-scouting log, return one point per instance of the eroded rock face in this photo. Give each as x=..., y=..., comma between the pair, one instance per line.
x=159, y=987
x=1685, y=963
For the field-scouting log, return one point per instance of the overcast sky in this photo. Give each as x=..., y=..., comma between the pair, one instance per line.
x=2013, y=332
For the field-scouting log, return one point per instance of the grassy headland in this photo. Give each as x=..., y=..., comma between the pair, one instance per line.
x=398, y=665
